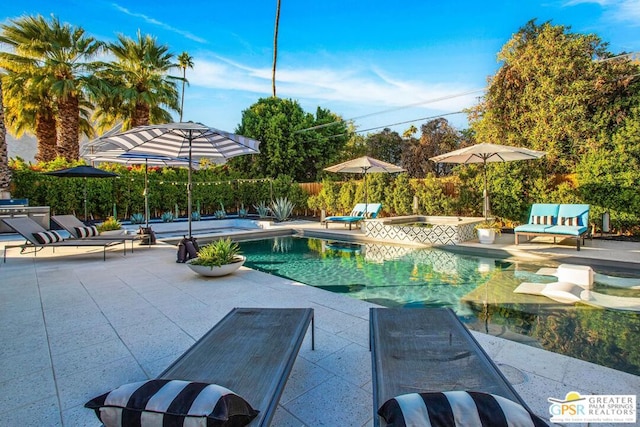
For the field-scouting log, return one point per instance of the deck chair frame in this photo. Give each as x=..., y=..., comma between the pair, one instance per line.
x=70, y=222
x=251, y=351
x=26, y=227
x=417, y=350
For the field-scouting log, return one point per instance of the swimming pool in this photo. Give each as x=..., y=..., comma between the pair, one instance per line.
x=479, y=290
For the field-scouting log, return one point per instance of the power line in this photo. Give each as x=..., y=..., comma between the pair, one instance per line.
x=443, y=98
x=386, y=126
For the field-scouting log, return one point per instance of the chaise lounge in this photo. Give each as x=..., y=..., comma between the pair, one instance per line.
x=430, y=351
x=38, y=238
x=250, y=352
x=557, y=220
x=360, y=211
x=78, y=230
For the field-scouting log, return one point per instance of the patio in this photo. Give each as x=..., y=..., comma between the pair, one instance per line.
x=74, y=327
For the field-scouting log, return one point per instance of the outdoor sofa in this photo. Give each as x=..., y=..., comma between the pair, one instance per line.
x=557, y=220
x=360, y=211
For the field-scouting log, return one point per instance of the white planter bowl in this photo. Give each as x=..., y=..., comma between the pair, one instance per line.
x=223, y=270
x=486, y=235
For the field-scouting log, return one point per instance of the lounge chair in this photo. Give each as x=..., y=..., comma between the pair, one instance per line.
x=73, y=225
x=360, y=211
x=428, y=350
x=250, y=352
x=27, y=228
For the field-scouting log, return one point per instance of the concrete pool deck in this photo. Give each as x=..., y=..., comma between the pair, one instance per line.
x=73, y=326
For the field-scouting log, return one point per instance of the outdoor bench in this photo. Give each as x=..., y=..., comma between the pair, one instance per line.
x=557, y=220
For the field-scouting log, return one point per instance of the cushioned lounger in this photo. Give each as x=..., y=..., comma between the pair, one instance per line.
x=71, y=224
x=250, y=351
x=27, y=227
x=428, y=350
x=360, y=211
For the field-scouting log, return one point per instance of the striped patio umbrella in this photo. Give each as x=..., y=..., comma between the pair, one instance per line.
x=122, y=157
x=193, y=141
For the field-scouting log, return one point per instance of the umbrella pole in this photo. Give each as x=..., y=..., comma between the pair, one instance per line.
x=485, y=194
x=85, y=199
x=190, y=137
x=366, y=193
x=146, y=195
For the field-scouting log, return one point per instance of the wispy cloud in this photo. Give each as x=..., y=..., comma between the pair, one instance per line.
x=364, y=87
x=153, y=21
x=616, y=10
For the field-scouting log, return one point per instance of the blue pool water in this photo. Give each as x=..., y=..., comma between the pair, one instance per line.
x=479, y=290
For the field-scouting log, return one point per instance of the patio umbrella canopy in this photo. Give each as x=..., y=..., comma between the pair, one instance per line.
x=364, y=165
x=82, y=171
x=122, y=157
x=193, y=141
x=485, y=153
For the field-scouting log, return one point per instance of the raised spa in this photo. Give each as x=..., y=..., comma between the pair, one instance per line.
x=431, y=230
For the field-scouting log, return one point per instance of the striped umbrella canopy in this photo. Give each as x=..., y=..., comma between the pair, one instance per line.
x=122, y=157
x=193, y=141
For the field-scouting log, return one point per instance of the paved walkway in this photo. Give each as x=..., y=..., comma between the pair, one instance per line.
x=73, y=326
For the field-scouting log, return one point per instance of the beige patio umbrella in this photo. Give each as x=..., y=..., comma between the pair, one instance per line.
x=485, y=153
x=364, y=165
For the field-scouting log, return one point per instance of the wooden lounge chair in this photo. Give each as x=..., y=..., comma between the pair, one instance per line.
x=250, y=351
x=26, y=227
x=428, y=350
x=71, y=224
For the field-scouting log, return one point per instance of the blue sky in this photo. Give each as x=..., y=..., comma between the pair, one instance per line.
x=378, y=62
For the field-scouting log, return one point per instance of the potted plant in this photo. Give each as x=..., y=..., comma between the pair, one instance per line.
x=110, y=227
x=487, y=231
x=217, y=258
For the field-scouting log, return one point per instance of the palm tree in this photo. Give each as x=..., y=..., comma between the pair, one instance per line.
x=5, y=172
x=136, y=86
x=30, y=108
x=184, y=61
x=54, y=56
x=275, y=48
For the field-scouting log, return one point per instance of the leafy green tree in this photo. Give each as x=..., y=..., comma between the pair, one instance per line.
x=386, y=146
x=293, y=142
x=553, y=92
x=55, y=61
x=136, y=88
x=438, y=137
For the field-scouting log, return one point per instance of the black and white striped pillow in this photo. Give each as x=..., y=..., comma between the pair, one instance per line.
x=171, y=402
x=90, y=231
x=46, y=237
x=456, y=408
x=543, y=219
x=571, y=221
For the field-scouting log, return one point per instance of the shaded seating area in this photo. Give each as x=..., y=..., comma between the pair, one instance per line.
x=250, y=352
x=360, y=211
x=557, y=220
x=429, y=351
x=78, y=230
x=38, y=238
